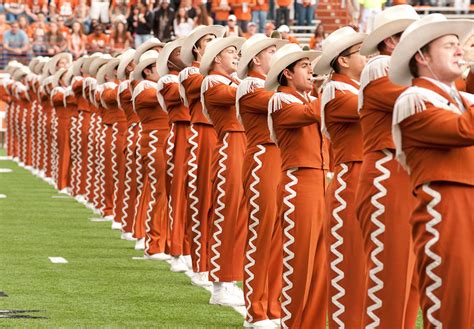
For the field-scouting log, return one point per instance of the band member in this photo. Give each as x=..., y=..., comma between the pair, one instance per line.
x=294, y=122
x=262, y=263
x=391, y=296
x=203, y=141
x=340, y=123
x=228, y=232
x=433, y=131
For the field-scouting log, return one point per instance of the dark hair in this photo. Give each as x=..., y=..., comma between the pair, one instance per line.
x=382, y=46
x=412, y=65
x=335, y=62
x=149, y=67
x=282, y=80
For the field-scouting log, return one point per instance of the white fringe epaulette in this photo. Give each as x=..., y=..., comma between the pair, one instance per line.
x=87, y=82
x=54, y=92
x=21, y=88
x=329, y=93
x=376, y=68
x=168, y=78
x=469, y=97
x=411, y=102
x=183, y=76
x=246, y=86
x=142, y=85
x=121, y=88
x=209, y=82
x=275, y=104
x=235, y=76
x=75, y=79
x=67, y=92
x=104, y=86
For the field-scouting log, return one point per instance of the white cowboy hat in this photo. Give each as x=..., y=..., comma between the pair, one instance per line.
x=125, y=59
x=147, y=45
x=389, y=22
x=164, y=55
x=21, y=73
x=56, y=59
x=252, y=47
x=285, y=56
x=419, y=34
x=57, y=76
x=33, y=63
x=67, y=77
x=88, y=61
x=38, y=69
x=195, y=35
x=213, y=49
x=78, y=64
x=145, y=60
x=107, y=70
x=97, y=63
x=334, y=45
x=12, y=65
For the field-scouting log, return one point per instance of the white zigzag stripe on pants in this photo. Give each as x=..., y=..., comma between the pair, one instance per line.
x=153, y=183
x=218, y=210
x=90, y=154
x=339, y=242
x=115, y=171
x=377, y=302
x=436, y=259
x=169, y=172
x=79, y=150
x=128, y=172
x=139, y=177
x=194, y=200
x=289, y=255
x=73, y=155
x=254, y=222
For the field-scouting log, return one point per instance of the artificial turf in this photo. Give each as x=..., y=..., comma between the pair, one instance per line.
x=101, y=286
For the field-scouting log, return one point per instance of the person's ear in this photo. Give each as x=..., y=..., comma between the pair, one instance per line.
x=343, y=61
x=288, y=74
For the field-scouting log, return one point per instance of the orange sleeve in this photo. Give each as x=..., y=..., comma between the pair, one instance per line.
x=192, y=85
x=470, y=82
x=170, y=94
x=296, y=115
x=109, y=96
x=146, y=99
x=220, y=95
x=437, y=127
x=58, y=99
x=343, y=108
x=257, y=101
x=312, y=42
x=384, y=87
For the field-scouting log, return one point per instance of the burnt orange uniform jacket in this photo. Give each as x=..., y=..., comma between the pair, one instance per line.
x=203, y=141
x=153, y=201
x=262, y=263
x=294, y=122
x=345, y=247
x=383, y=186
x=229, y=229
x=435, y=143
x=177, y=154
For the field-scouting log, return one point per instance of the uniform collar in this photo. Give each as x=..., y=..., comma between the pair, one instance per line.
x=344, y=78
x=254, y=74
x=291, y=91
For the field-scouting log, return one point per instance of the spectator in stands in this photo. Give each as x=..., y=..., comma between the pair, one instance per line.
x=63, y=28
x=140, y=23
x=163, y=21
x=305, y=9
x=189, y=8
x=81, y=14
x=3, y=26
x=23, y=25
x=120, y=38
x=221, y=10
x=242, y=10
x=269, y=28
x=97, y=41
x=317, y=38
x=462, y=6
x=76, y=42
x=40, y=24
x=232, y=29
x=100, y=10
x=14, y=9
x=251, y=30
x=285, y=34
x=182, y=24
x=93, y=24
x=34, y=8
x=55, y=40
x=368, y=10
x=15, y=44
x=121, y=7
x=283, y=12
x=65, y=9
x=2, y=7
x=202, y=16
x=39, y=45
x=259, y=14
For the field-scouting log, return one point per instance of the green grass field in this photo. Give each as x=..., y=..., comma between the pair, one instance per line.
x=101, y=286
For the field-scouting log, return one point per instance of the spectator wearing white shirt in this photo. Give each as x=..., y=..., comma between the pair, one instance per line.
x=182, y=24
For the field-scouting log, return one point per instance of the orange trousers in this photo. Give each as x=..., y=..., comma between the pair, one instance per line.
x=177, y=156
x=48, y=154
x=304, y=292
x=21, y=133
x=153, y=201
x=109, y=167
x=203, y=141
x=130, y=180
x=74, y=156
x=443, y=227
x=41, y=138
x=10, y=129
x=263, y=257
x=64, y=150
x=229, y=220
x=83, y=125
x=35, y=140
x=119, y=134
x=384, y=205
x=101, y=154
x=92, y=166
x=345, y=250
x=28, y=135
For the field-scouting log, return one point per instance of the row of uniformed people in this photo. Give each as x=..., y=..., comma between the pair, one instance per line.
x=212, y=153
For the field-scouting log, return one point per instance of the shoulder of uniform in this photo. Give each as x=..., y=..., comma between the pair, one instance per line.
x=214, y=80
x=168, y=78
x=187, y=72
x=248, y=85
x=280, y=99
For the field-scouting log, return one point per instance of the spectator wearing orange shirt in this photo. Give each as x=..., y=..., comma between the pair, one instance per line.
x=23, y=23
x=251, y=30
x=243, y=11
x=283, y=12
x=14, y=9
x=76, y=42
x=259, y=14
x=38, y=40
x=120, y=38
x=221, y=10
x=285, y=34
x=65, y=9
x=63, y=28
x=317, y=38
x=34, y=7
x=3, y=26
x=55, y=40
x=97, y=41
